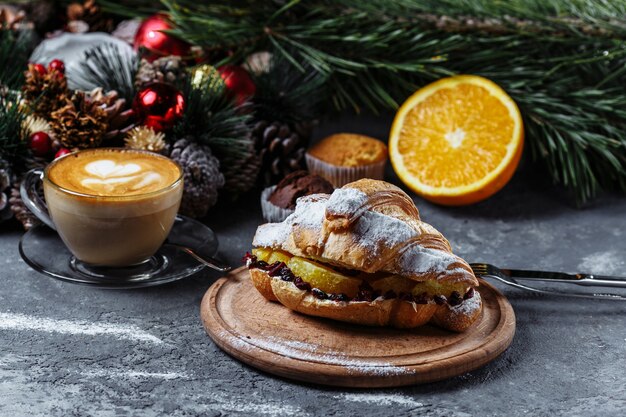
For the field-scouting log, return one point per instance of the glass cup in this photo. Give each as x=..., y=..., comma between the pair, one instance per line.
x=111, y=230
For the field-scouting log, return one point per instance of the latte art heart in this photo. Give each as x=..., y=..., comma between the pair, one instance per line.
x=109, y=176
x=105, y=168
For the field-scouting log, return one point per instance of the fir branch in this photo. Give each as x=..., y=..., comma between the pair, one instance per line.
x=12, y=146
x=130, y=9
x=287, y=94
x=212, y=119
x=109, y=67
x=563, y=62
x=14, y=49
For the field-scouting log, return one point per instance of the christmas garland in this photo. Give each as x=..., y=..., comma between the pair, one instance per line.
x=239, y=83
x=222, y=125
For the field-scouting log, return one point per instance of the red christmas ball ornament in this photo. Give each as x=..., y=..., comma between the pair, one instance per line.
x=56, y=65
x=41, y=69
x=159, y=106
x=39, y=143
x=238, y=82
x=150, y=36
x=62, y=152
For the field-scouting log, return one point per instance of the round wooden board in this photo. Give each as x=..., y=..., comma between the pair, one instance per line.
x=277, y=340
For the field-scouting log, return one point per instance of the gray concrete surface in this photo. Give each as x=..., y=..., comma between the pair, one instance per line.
x=68, y=350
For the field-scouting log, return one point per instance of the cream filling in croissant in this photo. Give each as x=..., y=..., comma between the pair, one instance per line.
x=329, y=282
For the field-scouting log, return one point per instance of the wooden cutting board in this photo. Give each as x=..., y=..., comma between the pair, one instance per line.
x=272, y=338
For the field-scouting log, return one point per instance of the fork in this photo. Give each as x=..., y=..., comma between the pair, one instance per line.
x=510, y=277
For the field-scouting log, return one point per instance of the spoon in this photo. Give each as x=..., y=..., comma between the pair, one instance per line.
x=205, y=260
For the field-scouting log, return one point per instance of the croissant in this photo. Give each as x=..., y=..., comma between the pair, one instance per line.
x=362, y=255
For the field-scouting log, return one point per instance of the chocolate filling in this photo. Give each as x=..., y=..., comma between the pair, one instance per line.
x=366, y=292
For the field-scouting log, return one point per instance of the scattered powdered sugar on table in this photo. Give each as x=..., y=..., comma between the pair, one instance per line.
x=130, y=374
x=606, y=262
x=308, y=352
x=75, y=327
x=253, y=406
x=345, y=201
x=380, y=399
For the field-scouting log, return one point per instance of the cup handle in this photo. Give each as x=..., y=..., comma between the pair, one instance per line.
x=31, y=198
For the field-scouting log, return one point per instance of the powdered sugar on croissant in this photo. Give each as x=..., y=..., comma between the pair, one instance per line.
x=369, y=226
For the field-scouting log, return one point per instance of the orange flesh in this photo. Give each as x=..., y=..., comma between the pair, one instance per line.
x=479, y=117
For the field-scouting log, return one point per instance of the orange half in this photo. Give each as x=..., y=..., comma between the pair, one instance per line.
x=457, y=141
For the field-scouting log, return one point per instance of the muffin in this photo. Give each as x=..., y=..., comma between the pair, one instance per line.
x=345, y=157
x=279, y=201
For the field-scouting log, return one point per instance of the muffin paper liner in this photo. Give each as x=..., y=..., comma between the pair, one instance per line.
x=271, y=212
x=340, y=176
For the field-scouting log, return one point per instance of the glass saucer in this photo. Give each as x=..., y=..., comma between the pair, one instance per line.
x=42, y=249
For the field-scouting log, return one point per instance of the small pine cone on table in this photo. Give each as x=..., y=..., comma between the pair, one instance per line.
x=46, y=92
x=202, y=176
x=19, y=209
x=281, y=148
x=5, y=190
x=168, y=69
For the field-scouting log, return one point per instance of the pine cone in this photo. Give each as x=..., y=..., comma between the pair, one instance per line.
x=202, y=177
x=11, y=18
x=90, y=13
x=169, y=69
x=5, y=190
x=80, y=123
x=31, y=161
x=45, y=14
x=119, y=118
x=241, y=176
x=44, y=93
x=21, y=212
x=281, y=148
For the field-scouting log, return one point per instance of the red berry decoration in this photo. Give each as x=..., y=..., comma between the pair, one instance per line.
x=41, y=69
x=159, y=106
x=39, y=143
x=62, y=152
x=238, y=82
x=56, y=65
x=150, y=36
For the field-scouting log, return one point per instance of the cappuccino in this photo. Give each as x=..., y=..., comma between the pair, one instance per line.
x=110, y=172
x=113, y=207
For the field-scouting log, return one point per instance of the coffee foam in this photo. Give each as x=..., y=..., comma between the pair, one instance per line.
x=109, y=172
